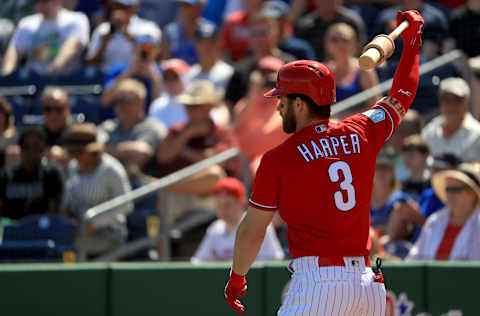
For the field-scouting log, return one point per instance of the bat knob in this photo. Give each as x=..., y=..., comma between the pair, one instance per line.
x=369, y=58
x=379, y=49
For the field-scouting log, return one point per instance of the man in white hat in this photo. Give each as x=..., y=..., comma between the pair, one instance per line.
x=453, y=233
x=455, y=130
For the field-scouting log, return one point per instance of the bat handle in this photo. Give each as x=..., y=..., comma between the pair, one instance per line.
x=398, y=30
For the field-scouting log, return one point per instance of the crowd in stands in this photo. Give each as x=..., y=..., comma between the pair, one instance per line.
x=98, y=98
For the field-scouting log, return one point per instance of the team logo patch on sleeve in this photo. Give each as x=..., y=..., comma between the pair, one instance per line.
x=376, y=115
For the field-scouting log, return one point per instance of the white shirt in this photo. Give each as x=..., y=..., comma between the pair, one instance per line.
x=465, y=143
x=40, y=39
x=217, y=245
x=85, y=190
x=465, y=247
x=120, y=49
x=219, y=74
x=167, y=110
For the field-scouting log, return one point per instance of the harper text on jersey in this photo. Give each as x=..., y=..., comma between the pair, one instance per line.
x=330, y=146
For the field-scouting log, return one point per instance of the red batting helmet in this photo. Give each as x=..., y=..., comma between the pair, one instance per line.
x=307, y=77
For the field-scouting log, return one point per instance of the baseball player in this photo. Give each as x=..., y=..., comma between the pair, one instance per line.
x=320, y=181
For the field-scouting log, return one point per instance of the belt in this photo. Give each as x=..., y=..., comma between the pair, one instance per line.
x=338, y=261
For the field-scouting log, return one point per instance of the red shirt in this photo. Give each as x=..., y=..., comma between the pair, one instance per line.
x=446, y=245
x=235, y=35
x=320, y=180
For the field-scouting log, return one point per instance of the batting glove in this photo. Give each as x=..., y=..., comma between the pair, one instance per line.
x=236, y=286
x=412, y=36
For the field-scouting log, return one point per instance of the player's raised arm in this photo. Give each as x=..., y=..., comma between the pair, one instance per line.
x=405, y=81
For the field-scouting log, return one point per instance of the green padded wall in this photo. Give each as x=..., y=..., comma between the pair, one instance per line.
x=178, y=289
x=53, y=289
x=453, y=287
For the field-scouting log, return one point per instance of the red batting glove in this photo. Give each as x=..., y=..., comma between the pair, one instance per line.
x=236, y=286
x=412, y=36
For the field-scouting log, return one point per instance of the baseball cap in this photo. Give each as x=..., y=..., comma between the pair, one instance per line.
x=446, y=160
x=274, y=9
x=456, y=86
x=205, y=29
x=231, y=186
x=177, y=65
x=146, y=40
x=386, y=157
x=126, y=2
x=82, y=137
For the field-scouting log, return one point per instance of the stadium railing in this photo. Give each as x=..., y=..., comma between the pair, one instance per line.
x=105, y=211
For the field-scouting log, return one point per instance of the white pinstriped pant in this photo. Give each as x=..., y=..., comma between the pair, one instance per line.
x=333, y=290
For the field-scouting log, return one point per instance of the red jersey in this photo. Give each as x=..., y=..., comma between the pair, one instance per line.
x=320, y=180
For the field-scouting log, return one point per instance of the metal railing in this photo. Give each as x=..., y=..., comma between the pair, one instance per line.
x=105, y=211
x=387, y=84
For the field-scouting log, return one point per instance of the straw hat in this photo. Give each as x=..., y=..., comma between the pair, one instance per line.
x=467, y=173
x=82, y=137
x=201, y=92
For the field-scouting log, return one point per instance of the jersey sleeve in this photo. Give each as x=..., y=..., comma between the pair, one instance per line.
x=266, y=185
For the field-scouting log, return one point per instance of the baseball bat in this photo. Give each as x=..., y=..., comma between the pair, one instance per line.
x=380, y=48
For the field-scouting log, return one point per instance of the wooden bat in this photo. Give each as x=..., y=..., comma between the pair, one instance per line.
x=380, y=48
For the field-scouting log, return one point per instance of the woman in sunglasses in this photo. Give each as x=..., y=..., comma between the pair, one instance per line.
x=453, y=233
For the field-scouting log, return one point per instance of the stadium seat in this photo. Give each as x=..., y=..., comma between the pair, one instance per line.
x=88, y=105
x=38, y=238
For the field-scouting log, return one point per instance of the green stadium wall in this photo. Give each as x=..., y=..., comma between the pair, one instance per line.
x=137, y=289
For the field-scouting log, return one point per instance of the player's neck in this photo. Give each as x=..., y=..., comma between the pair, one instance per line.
x=304, y=123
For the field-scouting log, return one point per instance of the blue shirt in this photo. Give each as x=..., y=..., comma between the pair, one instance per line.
x=180, y=46
x=379, y=216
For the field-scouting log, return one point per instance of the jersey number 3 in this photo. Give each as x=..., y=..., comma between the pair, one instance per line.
x=345, y=185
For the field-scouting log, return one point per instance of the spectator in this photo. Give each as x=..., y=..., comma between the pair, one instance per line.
x=143, y=67
x=165, y=108
x=235, y=34
x=210, y=66
x=256, y=117
x=57, y=118
x=191, y=142
x=436, y=27
x=179, y=34
x=94, y=177
x=452, y=233
x=113, y=42
x=8, y=133
x=51, y=40
x=312, y=26
x=218, y=242
x=131, y=137
x=276, y=11
x=56, y=114
x=464, y=34
x=412, y=123
x=415, y=152
x=464, y=29
x=32, y=185
x=264, y=42
x=341, y=45
x=7, y=28
x=409, y=215
x=454, y=130
x=386, y=191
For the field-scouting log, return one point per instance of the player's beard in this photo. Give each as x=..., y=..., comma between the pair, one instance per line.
x=289, y=122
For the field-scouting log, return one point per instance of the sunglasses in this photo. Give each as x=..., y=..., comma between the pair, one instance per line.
x=338, y=39
x=124, y=101
x=455, y=189
x=50, y=109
